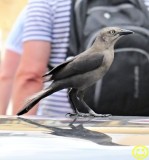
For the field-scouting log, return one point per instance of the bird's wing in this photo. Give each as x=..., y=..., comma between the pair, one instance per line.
x=81, y=64
x=57, y=68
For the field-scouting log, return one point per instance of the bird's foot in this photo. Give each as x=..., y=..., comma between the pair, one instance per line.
x=92, y=113
x=71, y=115
x=79, y=114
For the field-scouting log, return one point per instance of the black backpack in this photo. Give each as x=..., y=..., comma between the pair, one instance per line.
x=125, y=88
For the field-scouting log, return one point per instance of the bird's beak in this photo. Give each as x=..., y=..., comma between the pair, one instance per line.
x=125, y=32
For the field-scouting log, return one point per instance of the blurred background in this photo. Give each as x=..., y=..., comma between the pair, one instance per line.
x=9, y=9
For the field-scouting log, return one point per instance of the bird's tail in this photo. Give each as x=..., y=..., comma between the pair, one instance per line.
x=34, y=99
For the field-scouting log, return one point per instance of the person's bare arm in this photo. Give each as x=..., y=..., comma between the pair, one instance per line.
x=29, y=75
x=7, y=72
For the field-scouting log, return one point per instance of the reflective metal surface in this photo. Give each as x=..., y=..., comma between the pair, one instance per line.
x=71, y=139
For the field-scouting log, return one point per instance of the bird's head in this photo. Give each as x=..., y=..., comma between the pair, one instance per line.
x=110, y=35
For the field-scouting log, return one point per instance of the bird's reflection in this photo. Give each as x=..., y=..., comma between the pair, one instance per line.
x=76, y=132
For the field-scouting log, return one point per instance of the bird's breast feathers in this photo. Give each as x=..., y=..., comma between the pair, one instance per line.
x=108, y=58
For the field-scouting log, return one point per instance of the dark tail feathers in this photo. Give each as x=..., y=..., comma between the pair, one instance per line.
x=33, y=100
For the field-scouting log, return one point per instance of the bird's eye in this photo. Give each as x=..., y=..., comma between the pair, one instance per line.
x=112, y=32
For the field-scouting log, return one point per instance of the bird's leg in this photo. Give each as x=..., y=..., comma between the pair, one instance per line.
x=91, y=112
x=75, y=103
x=73, y=99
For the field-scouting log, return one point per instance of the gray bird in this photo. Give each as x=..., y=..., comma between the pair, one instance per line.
x=81, y=71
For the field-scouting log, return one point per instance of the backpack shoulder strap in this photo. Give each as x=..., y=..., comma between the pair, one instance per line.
x=73, y=42
x=78, y=15
x=80, y=10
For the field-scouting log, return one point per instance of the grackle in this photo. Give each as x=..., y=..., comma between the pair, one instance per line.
x=81, y=71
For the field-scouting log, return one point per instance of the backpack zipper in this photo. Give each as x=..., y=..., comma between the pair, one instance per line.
x=110, y=8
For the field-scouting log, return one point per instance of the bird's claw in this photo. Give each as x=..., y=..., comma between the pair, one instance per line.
x=87, y=115
x=100, y=115
x=79, y=114
x=71, y=115
x=93, y=114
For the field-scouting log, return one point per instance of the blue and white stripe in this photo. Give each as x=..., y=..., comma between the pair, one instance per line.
x=49, y=20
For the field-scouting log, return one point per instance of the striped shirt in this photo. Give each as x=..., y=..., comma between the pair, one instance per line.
x=49, y=20
x=14, y=40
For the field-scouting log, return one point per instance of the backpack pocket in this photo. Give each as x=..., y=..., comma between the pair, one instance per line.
x=125, y=88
